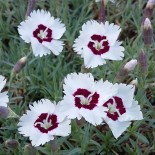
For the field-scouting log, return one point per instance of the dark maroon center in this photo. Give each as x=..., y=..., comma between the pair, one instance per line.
x=85, y=99
x=42, y=33
x=46, y=122
x=119, y=106
x=99, y=44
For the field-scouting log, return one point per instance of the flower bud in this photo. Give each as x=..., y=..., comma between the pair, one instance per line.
x=130, y=66
x=150, y=4
x=11, y=143
x=20, y=65
x=101, y=17
x=143, y=62
x=4, y=112
x=134, y=82
x=29, y=150
x=54, y=145
x=30, y=7
x=147, y=32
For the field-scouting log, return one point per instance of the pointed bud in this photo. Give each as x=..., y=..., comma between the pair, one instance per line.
x=4, y=112
x=20, y=65
x=147, y=32
x=122, y=74
x=54, y=145
x=143, y=62
x=134, y=82
x=105, y=1
x=101, y=17
x=30, y=7
x=150, y=4
x=11, y=143
x=130, y=66
x=29, y=150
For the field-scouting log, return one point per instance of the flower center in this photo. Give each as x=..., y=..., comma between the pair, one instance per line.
x=46, y=122
x=85, y=99
x=43, y=33
x=98, y=44
x=116, y=108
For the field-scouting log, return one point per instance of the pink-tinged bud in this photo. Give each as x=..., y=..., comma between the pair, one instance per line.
x=4, y=112
x=150, y=4
x=147, y=32
x=20, y=65
x=11, y=143
x=143, y=62
x=30, y=7
x=29, y=150
x=101, y=17
x=130, y=66
x=134, y=82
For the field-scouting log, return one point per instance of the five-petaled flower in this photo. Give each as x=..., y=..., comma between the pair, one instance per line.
x=43, y=32
x=3, y=95
x=122, y=109
x=44, y=121
x=84, y=97
x=98, y=42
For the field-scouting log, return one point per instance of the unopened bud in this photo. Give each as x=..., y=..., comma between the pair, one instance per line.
x=134, y=82
x=130, y=66
x=4, y=112
x=30, y=7
x=148, y=32
x=105, y=1
x=101, y=17
x=20, y=65
x=81, y=122
x=11, y=143
x=143, y=62
x=54, y=145
x=29, y=150
x=122, y=74
x=150, y=4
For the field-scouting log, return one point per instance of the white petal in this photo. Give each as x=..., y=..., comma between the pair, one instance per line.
x=75, y=81
x=106, y=90
x=91, y=60
x=2, y=82
x=58, y=29
x=115, y=53
x=93, y=116
x=4, y=99
x=39, y=138
x=55, y=46
x=117, y=127
x=132, y=113
x=38, y=48
x=43, y=106
x=63, y=129
x=112, y=32
x=69, y=109
x=126, y=93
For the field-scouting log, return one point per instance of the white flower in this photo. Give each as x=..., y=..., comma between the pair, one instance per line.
x=3, y=96
x=130, y=66
x=98, y=42
x=43, y=32
x=44, y=121
x=122, y=109
x=84, y=97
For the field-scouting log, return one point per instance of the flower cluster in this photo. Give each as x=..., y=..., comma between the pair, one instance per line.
x=98, y=102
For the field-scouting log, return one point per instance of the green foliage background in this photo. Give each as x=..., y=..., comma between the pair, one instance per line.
x=43, y=77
